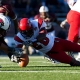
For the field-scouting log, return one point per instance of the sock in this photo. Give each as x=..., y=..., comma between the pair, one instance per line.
x=11, y=50
x=9, y=55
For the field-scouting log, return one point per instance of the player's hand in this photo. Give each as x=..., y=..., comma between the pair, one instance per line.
x=63, y=23
x=30, y=42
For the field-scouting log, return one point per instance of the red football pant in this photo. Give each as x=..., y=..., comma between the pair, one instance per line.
x=60, y=47
x=73, y=19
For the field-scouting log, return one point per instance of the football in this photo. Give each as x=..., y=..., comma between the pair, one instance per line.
x=24, y=60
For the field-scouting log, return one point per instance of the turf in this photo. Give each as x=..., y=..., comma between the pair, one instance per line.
x=37, y=69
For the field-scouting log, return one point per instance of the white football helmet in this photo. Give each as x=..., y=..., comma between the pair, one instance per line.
x=4, y=22
x=43, y=9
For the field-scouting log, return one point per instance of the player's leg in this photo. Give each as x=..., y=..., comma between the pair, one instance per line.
x=73, y=18
x=64, y=58
x=4, y=45
x=66, y=45
x=58, y=51
x=10, y=52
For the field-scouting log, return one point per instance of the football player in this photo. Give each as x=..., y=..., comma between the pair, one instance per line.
x=72, y=19
x=74, y=22
x=4, y=26
x=6, y=14
x=52, y=24
x=52, y=21
x=34, y=33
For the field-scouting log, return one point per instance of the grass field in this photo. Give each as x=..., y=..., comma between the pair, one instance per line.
x=37, y=69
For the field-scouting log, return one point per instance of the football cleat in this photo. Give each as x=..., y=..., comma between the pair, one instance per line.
x=78, y=57
x=50, y=59
x=14, y=59
x=71, y=54
x=16, y=53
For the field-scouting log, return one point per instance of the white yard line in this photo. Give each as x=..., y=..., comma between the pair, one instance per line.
x=73, y=72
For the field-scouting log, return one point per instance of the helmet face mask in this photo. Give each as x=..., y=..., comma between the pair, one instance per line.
x=44, y=15
x=49, y=25
x=28, y=33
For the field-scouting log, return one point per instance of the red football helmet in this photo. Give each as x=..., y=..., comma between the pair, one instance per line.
x=25, y=27
x=24, y=24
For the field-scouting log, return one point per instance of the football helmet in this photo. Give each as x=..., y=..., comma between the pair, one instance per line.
x=25, y=28
x=4, y=22
x=4, y=25
x=43, y=9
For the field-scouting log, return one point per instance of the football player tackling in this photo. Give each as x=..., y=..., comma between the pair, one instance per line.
x=34, y=33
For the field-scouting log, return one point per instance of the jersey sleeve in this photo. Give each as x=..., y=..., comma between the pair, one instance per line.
x=18, y=42
x=41, y=23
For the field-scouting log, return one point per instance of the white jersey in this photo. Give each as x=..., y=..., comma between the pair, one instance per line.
x=76, y=7
x=44, y=45
x=71, y=3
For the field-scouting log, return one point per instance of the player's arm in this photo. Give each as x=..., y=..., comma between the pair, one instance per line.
x=6, y=48
x=42, y=32
x=13, y=16
x=15, y=21
x=19, y=44
x=63, y=23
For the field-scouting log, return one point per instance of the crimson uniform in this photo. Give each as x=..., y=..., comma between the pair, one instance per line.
x=54, y=47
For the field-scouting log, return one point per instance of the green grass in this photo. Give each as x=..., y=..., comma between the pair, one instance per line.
x=37, y=69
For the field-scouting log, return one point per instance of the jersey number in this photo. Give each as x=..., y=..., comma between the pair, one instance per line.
x=41, y=44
